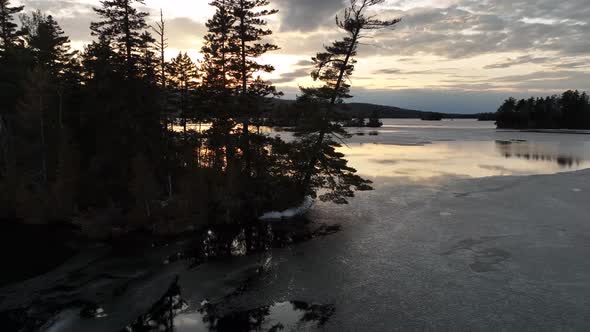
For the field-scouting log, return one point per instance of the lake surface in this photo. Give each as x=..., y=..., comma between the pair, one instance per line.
x=455, y=236
x=445, y=241
x=422, y=150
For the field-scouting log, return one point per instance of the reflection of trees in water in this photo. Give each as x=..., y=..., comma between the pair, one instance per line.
x=162, y=314
x=223, y=241
x=524, y=150
x=229, y=240
x=303, y=314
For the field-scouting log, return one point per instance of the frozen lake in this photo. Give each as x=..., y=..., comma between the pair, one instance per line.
x=421, y=150
x=468, y=228
x=457, y=235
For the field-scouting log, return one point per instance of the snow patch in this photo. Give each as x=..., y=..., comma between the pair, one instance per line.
x=289, y=213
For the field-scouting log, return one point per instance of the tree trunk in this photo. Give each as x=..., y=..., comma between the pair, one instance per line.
x=61, y=120
x=169, y=186
x=244, y=73
x=128, y=40
x=43, y=152
x=162, y=49
x=4, y=146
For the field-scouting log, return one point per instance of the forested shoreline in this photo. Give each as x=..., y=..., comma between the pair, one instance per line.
x=571, y=110
x=88, y=136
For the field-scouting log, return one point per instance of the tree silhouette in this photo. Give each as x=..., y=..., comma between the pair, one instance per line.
x=218, y=50
x=8, y=29
x=182, y=75
x=250, y=30
x=49, y=44
x=571, y=110
x=321, y=131
x=85, y=134
x=161, y=46
x=122, y=24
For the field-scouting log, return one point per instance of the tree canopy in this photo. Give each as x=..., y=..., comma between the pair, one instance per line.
x=163, y=144
x=571, y=110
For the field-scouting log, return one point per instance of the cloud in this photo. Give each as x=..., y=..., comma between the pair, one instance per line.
x=73, y=16
x=178, y=37
x=302, y=69
x=393, y=71
x=469, y=28
x=525, y=59
x=466, y=55
x=307, y=15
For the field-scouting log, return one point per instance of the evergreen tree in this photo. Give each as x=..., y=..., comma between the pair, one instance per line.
x=14, y=63
x=182, y=75
x=51, y=51
x=219, y=48
x=99, y=61
x=148, y=62
x=122, y=24
x=322, y=166
x=8, y=29
x=570, y=111
x=49, y=44
x=249, y=31
x=218, y=51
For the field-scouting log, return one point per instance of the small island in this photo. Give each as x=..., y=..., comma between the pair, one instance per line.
x=432, y=116
x=359, y=122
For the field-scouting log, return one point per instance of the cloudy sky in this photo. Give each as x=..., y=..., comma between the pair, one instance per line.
x=446, y=55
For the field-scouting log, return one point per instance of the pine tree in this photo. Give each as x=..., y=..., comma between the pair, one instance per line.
x=123, y=25
x=219, y=48
x=182, y=75
x=51, y=50
x=48, y=42
x=15, y=61
x=218, y=51
x=148, y=62
x=8, y=29
x=321, y=132
x=99, y=61
x=249, y=31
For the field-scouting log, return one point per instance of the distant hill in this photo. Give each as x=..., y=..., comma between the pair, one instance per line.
x=365, y=110
x=391, y=112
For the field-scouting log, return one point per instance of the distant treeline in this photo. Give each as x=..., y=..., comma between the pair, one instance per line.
x=285, y=114
x=571, y=110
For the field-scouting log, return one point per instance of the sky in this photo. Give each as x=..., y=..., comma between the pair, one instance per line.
x=461, y=56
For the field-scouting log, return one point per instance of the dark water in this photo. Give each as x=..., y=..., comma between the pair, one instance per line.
x=64, y=303
x=173, y=313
